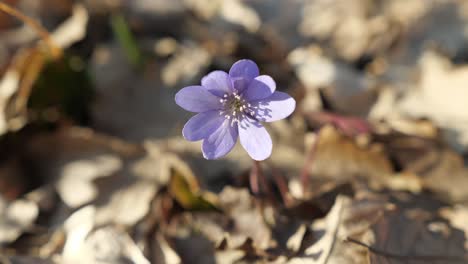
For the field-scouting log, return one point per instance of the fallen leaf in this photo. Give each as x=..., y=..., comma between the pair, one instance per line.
x=237, y=12
x=248, y=219
x=416, y=240
x=352, y=29
x=458, y=217
x=340, y=158
x=320, y=251
x=127, y=203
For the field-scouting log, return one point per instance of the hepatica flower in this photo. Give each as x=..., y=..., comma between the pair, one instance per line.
x=233, y=105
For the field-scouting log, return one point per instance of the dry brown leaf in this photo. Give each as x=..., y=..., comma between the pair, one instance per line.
x=77, y=228
x=110, y=245
x=341, y=158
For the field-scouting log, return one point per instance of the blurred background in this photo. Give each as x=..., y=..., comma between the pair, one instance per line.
x=93, y=167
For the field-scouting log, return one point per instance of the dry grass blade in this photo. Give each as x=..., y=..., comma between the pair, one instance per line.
x=55, y=51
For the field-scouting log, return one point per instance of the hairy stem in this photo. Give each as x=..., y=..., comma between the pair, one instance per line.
x=305, y=173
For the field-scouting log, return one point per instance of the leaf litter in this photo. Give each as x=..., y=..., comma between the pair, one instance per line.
x=371, y=168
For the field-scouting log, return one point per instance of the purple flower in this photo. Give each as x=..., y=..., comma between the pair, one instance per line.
x=233, y=105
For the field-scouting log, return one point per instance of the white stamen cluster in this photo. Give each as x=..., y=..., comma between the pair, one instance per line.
x=235, y=107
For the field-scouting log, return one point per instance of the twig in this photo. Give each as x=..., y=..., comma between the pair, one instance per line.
x=424, y=258
x=41, y=31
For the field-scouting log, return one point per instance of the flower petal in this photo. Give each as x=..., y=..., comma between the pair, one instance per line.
x=202, y=125
x=197, y=99
x=217, y=83
x=261, y=87
x=242, y=73
x=278, y=106
x=255, y=139
x=220, y=142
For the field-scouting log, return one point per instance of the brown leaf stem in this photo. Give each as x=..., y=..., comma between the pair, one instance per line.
x=55, y=50
x=425, y=258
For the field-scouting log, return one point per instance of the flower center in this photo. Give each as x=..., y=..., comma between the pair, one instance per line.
x=235, y=107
